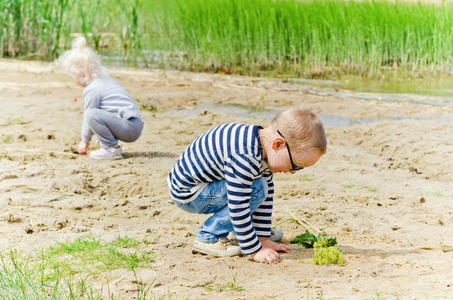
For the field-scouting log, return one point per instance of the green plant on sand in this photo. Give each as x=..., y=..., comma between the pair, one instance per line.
x=325, y=255
x=325, y=251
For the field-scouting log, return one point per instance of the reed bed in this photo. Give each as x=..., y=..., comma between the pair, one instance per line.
x=313, y=37
x=305, y=38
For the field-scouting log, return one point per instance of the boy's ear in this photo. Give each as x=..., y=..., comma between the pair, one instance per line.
x=277, y=143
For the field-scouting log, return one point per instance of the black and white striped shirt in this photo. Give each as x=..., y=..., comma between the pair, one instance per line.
x=232, y=152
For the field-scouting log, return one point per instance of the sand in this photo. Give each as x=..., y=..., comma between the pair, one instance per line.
x=383, y=188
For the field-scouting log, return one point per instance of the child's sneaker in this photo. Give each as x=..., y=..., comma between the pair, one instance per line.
x=107, y=153
x=223, y=247
x=276, y=235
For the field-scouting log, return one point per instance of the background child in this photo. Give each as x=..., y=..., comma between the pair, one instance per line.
x=110, y=112
x=228, y=172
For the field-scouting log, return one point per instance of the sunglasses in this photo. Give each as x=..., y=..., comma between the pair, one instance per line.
x=293, y=165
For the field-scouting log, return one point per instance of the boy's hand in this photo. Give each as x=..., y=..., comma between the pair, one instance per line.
x=83, y=147
x=265, y=255
x=267, y=243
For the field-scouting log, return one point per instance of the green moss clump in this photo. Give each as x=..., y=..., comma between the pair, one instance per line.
x=325, y=255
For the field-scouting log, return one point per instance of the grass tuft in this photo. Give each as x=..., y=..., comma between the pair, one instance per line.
x=69, y=270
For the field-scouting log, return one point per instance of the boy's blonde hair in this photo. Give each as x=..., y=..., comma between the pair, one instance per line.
x=301, y=128
x=81, y=59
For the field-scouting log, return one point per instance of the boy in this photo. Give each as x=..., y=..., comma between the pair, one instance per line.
x=228, y=172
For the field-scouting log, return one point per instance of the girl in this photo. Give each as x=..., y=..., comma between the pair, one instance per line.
x=110, y=113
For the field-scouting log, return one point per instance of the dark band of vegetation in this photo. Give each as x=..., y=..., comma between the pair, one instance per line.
x=283, y=36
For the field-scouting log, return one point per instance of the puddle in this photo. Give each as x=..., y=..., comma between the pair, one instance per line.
x=429, y=92
x=436, y=91
x=390, y=82
x=329, y=121
x=437, y=101
x=432, y=90
x=151, y=59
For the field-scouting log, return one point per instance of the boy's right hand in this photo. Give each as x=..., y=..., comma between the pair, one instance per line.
x=83, y=147
x=265, y=255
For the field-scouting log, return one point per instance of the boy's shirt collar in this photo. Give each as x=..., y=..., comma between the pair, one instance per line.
x=264, y=165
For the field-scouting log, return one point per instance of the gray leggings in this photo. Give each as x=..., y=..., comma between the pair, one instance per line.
x=109, y=127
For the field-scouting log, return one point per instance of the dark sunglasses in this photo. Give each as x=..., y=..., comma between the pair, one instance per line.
x=293, y=165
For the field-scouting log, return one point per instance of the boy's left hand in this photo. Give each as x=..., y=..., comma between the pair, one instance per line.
x=267, y=243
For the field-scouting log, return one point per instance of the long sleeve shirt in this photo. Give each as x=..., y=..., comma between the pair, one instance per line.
x=107, y=94
x=232, y=152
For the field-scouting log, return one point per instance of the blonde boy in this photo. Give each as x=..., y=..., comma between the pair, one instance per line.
x=227, y=172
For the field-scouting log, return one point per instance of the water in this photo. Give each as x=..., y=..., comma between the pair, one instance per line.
x=436, y=101
x=146, y=59
x=393, y=84
x=329, y=121
x=435, y=91
x=390, y=82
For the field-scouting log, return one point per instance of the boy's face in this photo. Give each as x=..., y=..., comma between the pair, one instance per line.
x=279, y=158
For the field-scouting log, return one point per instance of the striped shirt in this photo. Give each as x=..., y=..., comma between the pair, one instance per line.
x=232, y=152
x=107, y=94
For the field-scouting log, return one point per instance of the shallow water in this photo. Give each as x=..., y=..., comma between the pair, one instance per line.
x=400, y=92
x=437, y=101
x=436, y=91
x=329, y=121
x=149, y=59
x=440, y=85
x=389, y=82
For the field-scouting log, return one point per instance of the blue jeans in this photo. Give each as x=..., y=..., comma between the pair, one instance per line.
x=213, y=199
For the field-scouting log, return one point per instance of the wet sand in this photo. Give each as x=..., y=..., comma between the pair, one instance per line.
x=383, y=188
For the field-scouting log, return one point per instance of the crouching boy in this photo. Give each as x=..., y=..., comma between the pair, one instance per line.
x=227, y=172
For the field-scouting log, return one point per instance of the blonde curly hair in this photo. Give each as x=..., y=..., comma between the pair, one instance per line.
x=81, y=62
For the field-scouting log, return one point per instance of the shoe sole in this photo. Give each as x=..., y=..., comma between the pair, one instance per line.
x=104, y=158
x=196, y=250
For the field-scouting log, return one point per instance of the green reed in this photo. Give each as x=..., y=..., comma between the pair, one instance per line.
x=306, y=38
x=44, y=28
x=319, y=36
x=31, y=27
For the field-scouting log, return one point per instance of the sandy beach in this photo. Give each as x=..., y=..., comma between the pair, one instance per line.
x=384, y=187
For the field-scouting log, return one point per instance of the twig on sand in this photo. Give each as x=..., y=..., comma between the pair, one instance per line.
x=23, y=186
x=15, y=123
x=304, y=223
x=43, y=151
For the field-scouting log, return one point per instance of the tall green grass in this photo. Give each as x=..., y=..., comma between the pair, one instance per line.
x=31, y=27
x=307, y=38
x=44, y=28
x=312, y=36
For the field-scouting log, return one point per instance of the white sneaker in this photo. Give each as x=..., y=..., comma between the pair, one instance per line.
x=223, y=247
x=107, y=153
